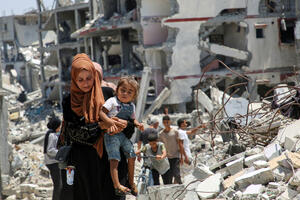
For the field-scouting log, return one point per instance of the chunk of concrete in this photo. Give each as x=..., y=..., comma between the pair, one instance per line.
x=273, y=185
x=251, y=159
x=210, y=187
x=253, y=151
x=282, y=174
x=202, y=172
x=272, y=151
x=252, y=191
x=260, y=164
x=28, y=188
x=287, y=194
x=43, y=192
x=165, y=192
x=289, y=136
x=235, y=166
x=261, y=176
x=295, y=181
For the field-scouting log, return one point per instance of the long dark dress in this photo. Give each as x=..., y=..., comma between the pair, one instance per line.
x=92, y=179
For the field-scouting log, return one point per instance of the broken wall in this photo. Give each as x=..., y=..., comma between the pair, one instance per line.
x=4, y=149
x=268, y=52
x=7, y=28
x=186, y=54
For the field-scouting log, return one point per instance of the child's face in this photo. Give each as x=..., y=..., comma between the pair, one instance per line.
x=126, y=93
x=153, y=144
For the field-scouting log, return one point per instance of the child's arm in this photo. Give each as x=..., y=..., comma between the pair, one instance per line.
x=140, y=126
x=107, y=122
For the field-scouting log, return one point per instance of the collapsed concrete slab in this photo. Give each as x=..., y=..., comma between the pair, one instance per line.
x=261, y=176
x=289, y=136
x=210, y=187
x=252, y=191
x=235, y=166
x=251, y=159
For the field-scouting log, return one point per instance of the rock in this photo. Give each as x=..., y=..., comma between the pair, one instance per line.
x=273, y=185
x=264, y=197
x=12, y=197
x=251, y=159
x=273, y=150
x=238, y=195
x=28, y=188
x=260, y=164
x=165, y=192
x=202, y=172
x=289, y=136
x=252, y=191
x=43, y=192
x=253, y=151
x=261, y=176
x=235, y=166
x=210, y=187
x=16, y=163
x=287, y=194
x=295, y=180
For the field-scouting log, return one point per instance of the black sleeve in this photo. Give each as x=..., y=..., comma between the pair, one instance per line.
x=129, y=130
x=107, y=92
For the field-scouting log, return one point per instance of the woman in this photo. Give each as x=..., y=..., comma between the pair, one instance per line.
x=81, y=112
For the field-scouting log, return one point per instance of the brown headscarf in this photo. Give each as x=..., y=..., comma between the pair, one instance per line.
x=87, y=104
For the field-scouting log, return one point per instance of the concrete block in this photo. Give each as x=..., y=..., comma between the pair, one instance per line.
x=165, y=191
x=295, y=181
x=288, y=136
x=251, y=159
x=272, y=150
x=260, y=164
x=43, y=192
x=273, y=185
x=261, y=176
x=252, y=191
x=253, y=151
x=12, y=197
x=235, y=166
x=282, y=174
x=210, y=187
x=287, y=194
x=264, y=197
x=202, y=172
x=28, y=188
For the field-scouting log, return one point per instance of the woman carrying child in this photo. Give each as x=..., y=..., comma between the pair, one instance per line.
x=84, y=124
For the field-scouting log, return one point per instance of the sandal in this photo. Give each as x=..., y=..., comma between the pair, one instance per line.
x=134, y=190
x=121, y=191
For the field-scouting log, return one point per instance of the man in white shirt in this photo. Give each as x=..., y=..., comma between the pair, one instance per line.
x=184, y=141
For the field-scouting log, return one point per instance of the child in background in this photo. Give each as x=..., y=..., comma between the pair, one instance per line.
x=122, y=106
x=159, y=161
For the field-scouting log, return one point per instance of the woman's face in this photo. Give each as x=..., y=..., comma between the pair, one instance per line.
x=85, y=80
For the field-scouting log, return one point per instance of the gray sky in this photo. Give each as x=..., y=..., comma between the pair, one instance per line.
x=9, y=7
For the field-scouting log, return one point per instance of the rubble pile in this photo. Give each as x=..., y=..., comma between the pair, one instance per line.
x=29, y=178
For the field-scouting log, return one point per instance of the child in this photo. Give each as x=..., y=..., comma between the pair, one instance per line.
x=122, y=106
x=160, y=163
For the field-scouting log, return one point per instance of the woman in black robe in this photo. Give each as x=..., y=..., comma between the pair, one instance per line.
x=92, y=180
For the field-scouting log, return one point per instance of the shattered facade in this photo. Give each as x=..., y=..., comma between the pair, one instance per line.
x=180, y=40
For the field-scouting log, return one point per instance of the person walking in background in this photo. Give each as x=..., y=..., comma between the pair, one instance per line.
x=169, y=137
x=159, y=162
x=50, y=152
